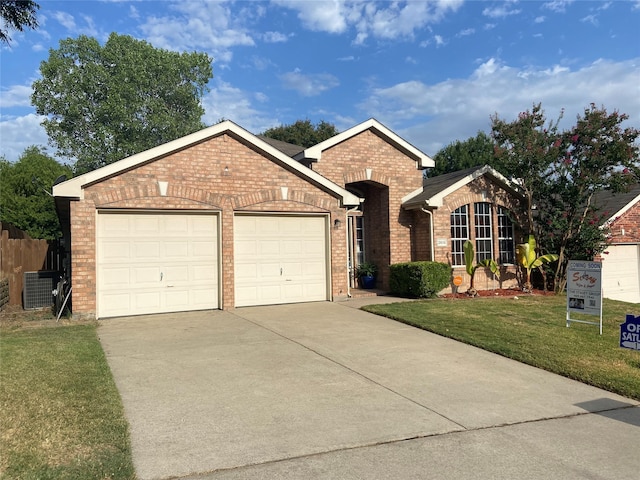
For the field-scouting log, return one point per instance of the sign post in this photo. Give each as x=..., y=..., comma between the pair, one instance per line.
x=584, y=290
x=630, y=333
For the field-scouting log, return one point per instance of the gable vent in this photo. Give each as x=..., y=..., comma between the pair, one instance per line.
x=38, y=288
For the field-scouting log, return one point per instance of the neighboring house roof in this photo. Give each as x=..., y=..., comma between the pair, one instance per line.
x=314, y=153
x=435, y=189
x=616, y=204
x=289, y=149
x=74, y=188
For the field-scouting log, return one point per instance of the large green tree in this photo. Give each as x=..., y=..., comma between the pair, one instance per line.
x=525, y=150
x=302, y=133
x=17, y=15
x=25, y=193
x=104, y=103
x=560, y=171
x=461, y=155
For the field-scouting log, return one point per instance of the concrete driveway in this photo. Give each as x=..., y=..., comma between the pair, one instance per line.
x=322, y=390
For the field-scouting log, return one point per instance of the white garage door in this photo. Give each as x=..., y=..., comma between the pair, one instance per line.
x=154, y=263
x=621, y=273
x=279, y=259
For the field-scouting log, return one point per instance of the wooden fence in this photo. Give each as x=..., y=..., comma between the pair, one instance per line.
x=20, y=253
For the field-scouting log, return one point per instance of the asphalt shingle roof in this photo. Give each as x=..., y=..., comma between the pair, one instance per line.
x=434, y=185
x=288, y=149
x=611, y=203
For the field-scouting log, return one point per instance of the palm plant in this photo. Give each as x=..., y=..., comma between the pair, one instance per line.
x=527, y=256
x=489, y=263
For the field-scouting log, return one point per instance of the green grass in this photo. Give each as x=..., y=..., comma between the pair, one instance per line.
x=62, y=416
x=532, y=330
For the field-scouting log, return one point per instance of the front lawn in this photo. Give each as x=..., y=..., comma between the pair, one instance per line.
x=61, y=413
x=531, y=329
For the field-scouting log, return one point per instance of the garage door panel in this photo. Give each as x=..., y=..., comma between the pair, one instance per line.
x=274, y=261
x=269, y=247
x=176, y=250
x=621, y=273
x=117, y=251
x=145, y=275
x=153, y=263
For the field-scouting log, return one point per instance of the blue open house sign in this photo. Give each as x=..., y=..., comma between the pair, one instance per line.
x=630, y=333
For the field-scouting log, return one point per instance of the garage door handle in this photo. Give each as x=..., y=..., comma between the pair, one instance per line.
x=280, y=271
x=161, y=275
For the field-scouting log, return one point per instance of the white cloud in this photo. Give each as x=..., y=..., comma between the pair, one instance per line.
x=466, y=32
x=308, y=85
x=202, y=25
x=592, y=19
x=274, y=37
x=501, y=11
x=381, y=20
x=18, y=133
x=540, y=19
x=231, y=103
x=432, y=116
x=558, y=6
x=86, y=27
x=327, y=16
x=16, y=96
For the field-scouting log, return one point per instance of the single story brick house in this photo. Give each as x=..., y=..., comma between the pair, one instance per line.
x=222, y=218
x=621, y=258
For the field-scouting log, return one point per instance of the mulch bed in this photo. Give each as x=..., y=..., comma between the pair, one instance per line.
x=500, y=292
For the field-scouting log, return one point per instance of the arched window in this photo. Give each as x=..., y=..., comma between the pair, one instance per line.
x=459, y=234
x=506, y=242
x=484, y=238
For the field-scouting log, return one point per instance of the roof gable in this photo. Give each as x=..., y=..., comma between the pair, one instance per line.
x=74, y=188
x=435, y=189
x=315, y=153
x=616, y=204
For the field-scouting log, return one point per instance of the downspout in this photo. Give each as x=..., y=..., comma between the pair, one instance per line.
x=433, y=250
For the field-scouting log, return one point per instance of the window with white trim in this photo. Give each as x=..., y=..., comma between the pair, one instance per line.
x=506, y=242
x=459, y=234
x=484, y=241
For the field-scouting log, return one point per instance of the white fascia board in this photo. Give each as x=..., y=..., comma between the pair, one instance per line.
x=438, y=199
x=622, y=211
x=408, y=197
x=74, y=187
x=315, y=152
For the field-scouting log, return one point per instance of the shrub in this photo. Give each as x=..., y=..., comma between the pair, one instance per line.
x=419, y=279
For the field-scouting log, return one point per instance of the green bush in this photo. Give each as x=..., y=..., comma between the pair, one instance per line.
x=419, y=279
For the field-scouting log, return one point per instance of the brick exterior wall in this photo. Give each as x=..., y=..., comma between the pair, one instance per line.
x=197, y=181
x=479, y=190
x=385, y=175
x=629, y=223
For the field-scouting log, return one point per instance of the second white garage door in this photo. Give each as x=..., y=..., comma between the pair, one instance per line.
x=621, y=273
x=280, y=259
x=156, y=262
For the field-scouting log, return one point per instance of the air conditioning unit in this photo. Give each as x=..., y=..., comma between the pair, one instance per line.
x=37, y=289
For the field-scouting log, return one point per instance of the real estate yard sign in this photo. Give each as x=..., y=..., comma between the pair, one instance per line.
x=584, y=290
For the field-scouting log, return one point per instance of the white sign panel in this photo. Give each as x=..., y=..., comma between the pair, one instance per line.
x=584, y=287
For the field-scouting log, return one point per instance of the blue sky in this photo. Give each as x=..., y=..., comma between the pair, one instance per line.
x=432, y=71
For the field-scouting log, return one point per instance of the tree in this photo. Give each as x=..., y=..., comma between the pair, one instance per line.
x=474, y=151
x=560, y=172
x=106, y=103
x=17, y=15
x=302, y=133
x=25, y=198
x=596, y=154
x=526, y=150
